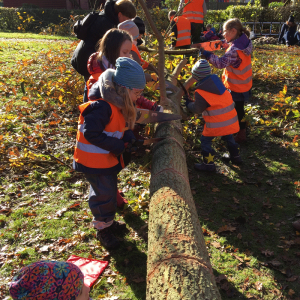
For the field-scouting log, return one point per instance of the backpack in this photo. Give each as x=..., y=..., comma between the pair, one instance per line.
x=81, y=27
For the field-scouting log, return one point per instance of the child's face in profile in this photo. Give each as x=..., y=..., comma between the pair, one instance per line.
x=229, y=34
x=125, y=49
x=134, y=94
x=84, y=294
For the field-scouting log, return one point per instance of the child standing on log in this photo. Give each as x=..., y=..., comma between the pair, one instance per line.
x=101, y=139
x=217, y=108
x=237, y=75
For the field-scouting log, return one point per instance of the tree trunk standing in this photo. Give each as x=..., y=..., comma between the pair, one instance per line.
x=178, y=266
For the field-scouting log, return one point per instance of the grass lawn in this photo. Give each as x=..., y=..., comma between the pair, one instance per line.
x=246, y=212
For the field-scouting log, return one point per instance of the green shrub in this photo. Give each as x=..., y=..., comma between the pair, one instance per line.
x=276, y=4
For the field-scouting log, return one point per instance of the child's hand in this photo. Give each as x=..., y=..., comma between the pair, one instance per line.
x=187, y=99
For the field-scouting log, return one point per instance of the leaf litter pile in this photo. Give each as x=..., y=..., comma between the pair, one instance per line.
x=246, y=212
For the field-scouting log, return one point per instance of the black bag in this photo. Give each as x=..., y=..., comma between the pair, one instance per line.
x=81, y=27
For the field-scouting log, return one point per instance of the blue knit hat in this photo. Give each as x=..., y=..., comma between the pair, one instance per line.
x=129, y=74
x=201, y=69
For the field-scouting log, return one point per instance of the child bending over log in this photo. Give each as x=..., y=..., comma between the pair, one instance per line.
x=217, y=108
x=102, y=138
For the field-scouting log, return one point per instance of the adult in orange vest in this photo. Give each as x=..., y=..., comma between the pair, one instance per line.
x=101, y=139
x=217, y=108
x=195, y=11
x=237, y=75
x=181, y=29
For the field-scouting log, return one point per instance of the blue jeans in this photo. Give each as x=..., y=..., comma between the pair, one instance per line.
x=102, y=198
x=207, y=140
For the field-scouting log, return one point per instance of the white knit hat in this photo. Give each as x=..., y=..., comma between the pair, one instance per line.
x=131, y=28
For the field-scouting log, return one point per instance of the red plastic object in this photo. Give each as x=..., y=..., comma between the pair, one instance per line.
x=91, y=268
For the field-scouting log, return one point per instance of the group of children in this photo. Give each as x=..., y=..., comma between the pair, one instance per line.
x=105, y=132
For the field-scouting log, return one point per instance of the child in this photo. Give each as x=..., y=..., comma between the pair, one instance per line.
x=141, y=26
x=237, y=75
x=217, y=108
x=49, y=280
x=115, y=43
x=101, y=140
x=181, y=29
x=133, y=30
x=209, y=34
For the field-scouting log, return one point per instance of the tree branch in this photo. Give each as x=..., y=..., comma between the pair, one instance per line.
x=172, y=52
x=161, y=57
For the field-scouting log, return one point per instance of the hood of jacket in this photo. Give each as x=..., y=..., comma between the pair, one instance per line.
x=93, y=65
x=109, y=11
x=211, y=84
x=104, y=88
x=243, y=43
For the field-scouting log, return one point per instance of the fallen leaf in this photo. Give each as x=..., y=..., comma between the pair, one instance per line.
x=293, y=278
x=216, y=244
x=110, y=280
x=258, y=286
x=291, y=292
x=267, y=253
x=214, y=190
x=236, y=200
x=226, y=228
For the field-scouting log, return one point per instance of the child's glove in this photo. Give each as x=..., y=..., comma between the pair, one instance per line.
x=128, y=139
x=187, y=99
x=206, y=54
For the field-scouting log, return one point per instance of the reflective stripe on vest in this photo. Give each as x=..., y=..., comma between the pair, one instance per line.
x=193, y=10
x=183, y=31
x=239, y=79
x=93, y=156
x=221, y=117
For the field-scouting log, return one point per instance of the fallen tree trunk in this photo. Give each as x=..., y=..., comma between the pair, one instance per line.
x=178, y=265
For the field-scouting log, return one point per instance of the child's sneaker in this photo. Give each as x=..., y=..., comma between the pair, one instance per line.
x=107, y=238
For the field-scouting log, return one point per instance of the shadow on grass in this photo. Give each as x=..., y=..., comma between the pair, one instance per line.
x=259, y=200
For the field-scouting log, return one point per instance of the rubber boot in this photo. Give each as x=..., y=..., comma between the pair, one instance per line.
x=208, y=164
x=107, y=238
x=120, y=200
x=235, y=155
x=241, y=136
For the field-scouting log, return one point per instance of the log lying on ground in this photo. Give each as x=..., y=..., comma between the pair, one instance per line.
x=178, y=266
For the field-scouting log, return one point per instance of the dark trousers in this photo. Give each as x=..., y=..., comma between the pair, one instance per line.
x=240, y=109
x=85, y=91
x=102, y=198
x=206, y=142
x=197, y=28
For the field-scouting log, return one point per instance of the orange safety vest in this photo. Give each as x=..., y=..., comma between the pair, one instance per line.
x=93, y=156
x=183, y=31
x=221, y=117
x=239, y=79
x=194, y=11
x=136, y=50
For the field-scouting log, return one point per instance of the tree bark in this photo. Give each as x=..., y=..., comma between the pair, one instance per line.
x=178, y=266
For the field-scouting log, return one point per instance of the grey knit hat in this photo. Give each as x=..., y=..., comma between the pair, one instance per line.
x=201, y=69
x=129, y=74
x=130, y=27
